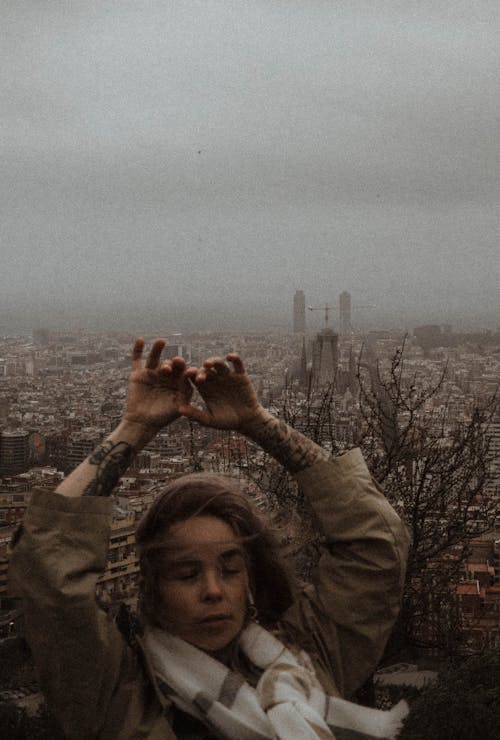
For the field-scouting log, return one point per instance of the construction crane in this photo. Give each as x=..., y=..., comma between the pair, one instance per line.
x=326, y=308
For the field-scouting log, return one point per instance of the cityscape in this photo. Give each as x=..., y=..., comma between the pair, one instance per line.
x=62, y=392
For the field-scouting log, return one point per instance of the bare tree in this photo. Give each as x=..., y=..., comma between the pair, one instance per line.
x=435, y=472
x=433, y=469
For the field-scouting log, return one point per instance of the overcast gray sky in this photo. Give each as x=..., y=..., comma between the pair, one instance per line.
x=228, y=152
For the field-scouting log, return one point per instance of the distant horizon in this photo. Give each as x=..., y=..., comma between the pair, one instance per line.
x=223, y=316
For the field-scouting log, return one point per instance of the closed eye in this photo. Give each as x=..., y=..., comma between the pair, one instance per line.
x=231, y=571
x=185, y=576
x=233, y=562
x=183, y=571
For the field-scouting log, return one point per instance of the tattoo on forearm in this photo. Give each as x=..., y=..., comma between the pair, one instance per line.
x=112, y=460
x=291, y=448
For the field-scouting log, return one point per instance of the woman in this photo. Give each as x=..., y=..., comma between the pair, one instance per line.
x=203, y=665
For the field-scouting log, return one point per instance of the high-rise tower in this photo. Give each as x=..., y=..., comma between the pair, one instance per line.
x=299, y=312
x=345, y=328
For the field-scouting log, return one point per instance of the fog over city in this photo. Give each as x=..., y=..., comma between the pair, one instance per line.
x=194, y=162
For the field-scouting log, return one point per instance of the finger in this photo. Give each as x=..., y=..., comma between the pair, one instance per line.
x=178, y=365
x=155, y=354
x=191, y=412
x=238, y=365
x=137, y=350
x=165, y=368
x=211, y=361
x=191, y=373
x=199, y=377
x=213, y=368
x=220, y=366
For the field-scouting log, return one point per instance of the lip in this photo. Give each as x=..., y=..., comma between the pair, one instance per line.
x=216, y=619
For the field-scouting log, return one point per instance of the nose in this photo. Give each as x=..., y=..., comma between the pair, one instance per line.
x=212, y=587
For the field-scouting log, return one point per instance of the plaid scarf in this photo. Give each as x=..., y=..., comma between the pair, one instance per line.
x=288, y=702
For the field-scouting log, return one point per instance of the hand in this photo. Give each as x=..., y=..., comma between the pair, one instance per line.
x=230, y=400
x=156, y=391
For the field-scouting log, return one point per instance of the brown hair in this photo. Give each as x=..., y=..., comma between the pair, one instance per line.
x=220, y=496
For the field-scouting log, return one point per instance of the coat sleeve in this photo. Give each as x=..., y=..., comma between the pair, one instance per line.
x=84, y=665
x=352, y=602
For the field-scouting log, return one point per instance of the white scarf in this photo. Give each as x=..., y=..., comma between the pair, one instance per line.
x=288, y=702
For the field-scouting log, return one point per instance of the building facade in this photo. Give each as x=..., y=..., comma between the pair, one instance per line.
x=14, y=452
x=325, y=357
x=299, y=312
x=345, y=327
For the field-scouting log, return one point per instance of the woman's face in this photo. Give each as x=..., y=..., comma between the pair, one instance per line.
x=205, y=583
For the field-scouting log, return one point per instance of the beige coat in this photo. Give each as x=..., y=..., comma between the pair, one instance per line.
x=98, y=687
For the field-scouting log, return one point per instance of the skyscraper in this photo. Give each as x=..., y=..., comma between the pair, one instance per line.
x=345, y=328
x=299, y=312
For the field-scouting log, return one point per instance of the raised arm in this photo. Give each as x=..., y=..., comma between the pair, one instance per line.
x=231, y=403
x=89, y=676
x=154, y=393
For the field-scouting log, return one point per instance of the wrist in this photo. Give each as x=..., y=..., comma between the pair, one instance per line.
x=134, y=433
x=252, y=427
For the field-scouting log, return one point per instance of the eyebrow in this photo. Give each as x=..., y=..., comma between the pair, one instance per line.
x=233, y=552
x=226, y=555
